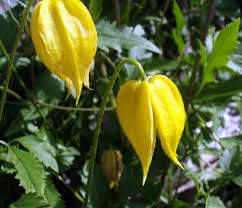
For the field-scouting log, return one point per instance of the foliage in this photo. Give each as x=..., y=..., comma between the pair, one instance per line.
x=46, y=141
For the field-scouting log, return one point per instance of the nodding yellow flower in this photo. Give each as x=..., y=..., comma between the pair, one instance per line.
x=65, y=39
x=146, y=106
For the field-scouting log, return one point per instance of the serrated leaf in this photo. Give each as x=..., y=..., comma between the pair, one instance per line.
x=29, y=171
x=214, y=202
x=52, y=196
x=30, y=201
x=109, y=36
x=39, y=149
x=224, y=45
x=7, y=167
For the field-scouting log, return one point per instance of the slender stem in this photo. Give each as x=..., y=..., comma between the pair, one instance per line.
x=58, y=107
x=100, y=118
x=5, y=53
x=75, y=193
x=204, y=33
x=117, y=11
x=11, y=92
x=10, y=64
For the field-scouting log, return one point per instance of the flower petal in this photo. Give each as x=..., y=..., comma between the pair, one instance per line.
x=136, y=118
x=169, y=114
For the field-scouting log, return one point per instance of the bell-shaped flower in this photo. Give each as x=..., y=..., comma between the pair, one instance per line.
x=145, y=107
x=65, y=39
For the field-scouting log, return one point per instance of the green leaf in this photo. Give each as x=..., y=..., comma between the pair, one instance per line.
x=177, y=33
x=29, y=171
x=179, y=41
x=39, y=149
x=109, y=36
x=203, y=54
x=214, y=202
x=238, y=180
x=95, y=8
x=178, y=16
x=224, y=45
x=212, y=92
x=52, y=196
x=66, y=156
x=230, y=159
x=30, y=201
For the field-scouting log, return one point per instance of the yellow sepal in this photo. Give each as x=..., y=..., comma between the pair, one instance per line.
x=136, y=118
x=169, y=114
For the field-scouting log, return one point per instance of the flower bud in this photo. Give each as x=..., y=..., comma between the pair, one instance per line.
x=112, y=167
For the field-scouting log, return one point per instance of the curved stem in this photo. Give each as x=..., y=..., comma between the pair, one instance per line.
x=10, y=64
x=59, y=107
x=100, y=118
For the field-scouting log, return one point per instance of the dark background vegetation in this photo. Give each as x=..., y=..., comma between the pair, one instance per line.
x=45, y=141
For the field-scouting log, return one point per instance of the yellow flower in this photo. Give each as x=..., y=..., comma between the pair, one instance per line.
x=146, y=106
x=65, y=39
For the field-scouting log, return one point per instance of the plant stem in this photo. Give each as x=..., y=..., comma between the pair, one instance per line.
x=75, y=193
x=204, y=33
x=100, y=118
x=10, y=64
x=58, y=107
x=117, y=11
x=11, y=92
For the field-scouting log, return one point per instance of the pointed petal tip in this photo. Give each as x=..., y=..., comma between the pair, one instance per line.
x=77, y=98
x=175, y=160
x=68, y=95
x=144, y=179
x=88, y=86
